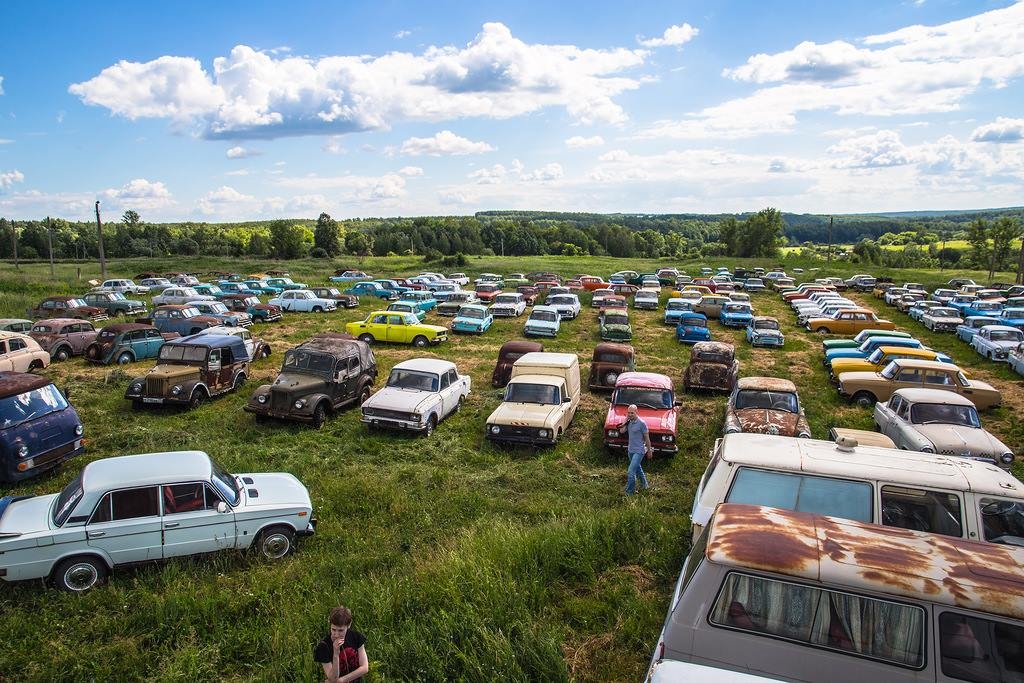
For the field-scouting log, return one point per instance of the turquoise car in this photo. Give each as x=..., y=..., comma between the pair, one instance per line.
x=736, y=314
x=285, y=283
x=207, y=289
x=408, y=307
x=674, y=308
x=544, y=321
x=692, y=328
x=263, y=287
x=472, y=319
x=425, y=300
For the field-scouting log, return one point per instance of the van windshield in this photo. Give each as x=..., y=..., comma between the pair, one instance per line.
x=543, y=394
x=802, y=493
x=30, y=405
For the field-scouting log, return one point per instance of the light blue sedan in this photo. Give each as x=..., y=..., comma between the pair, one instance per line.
x=544, y=321
x=472, y=319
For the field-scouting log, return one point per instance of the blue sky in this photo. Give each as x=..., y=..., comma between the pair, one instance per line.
x=251, y=110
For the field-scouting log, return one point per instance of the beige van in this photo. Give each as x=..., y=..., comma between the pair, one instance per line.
x=539, y=402
x=919, y=491
x=809, y=598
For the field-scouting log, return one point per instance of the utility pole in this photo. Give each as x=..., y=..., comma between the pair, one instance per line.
x=1020, y=264
x=14, y=243
x=99, y=229
x=49, y=233
x=829, y=257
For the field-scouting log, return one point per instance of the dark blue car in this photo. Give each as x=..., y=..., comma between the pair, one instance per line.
x=39, y=429
x=692, y=328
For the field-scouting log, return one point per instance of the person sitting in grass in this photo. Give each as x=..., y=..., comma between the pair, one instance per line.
x=342, y=651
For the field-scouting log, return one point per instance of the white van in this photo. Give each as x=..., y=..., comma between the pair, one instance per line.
x=809, y=598
x=920, y=491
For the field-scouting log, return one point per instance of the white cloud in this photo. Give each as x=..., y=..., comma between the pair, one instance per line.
x=1, y=85
x=445, y=143
x=238, y=172
x=226, y=200
x=456, y=198
x=333, y=145
x=8, y=178
x=578, y=141
x=546, y=173
x=915, y=70
x=140, y=193
x=1000, y=130
x=411, y=171
x=881, y=149
x=673, y=35
x=242, y=153
x=352, y=188
x=254, y=94
x=404, y=33
x=489, y=176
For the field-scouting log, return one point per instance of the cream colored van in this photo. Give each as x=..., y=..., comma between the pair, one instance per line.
x=807, y=598
x=918, y=491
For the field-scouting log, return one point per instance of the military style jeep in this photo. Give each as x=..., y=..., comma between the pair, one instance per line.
x=317, y=378
x=190, y=371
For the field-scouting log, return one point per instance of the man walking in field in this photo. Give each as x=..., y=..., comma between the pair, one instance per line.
x=638, y=448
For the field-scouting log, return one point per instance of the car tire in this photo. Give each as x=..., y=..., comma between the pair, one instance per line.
x=35, y=365
x=266, y=351
x=458, y=404
x=864, y=399
x=275, y=543
x=124, y=358
x=420, y=342
x=197, y=399
x=92, y=352
x=79, y=574
x=137, y=404
x=239, y=381
x=318, y=309
x=319, y=415
x=431, y=424
x=823, y=330
x=62, y=353
x=366, y=338
x=364, y=395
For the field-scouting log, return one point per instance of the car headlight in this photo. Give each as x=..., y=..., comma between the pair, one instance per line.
x=668, y=438
x=495, y=429
x=79, y=430
x=417, y=417
x=176, y=389
x=135, y=388
x=300, y=404
x=543, y=433
x=1006, y=458
x=262, y=398
x=23, y=451
x=613, y=433
x=732, y=429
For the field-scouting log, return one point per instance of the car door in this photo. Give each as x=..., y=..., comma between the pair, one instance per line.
x=218, y=364
x=396, y=329
x=126, y=525
x=6, y=364
x=191, y=522
x=18, y=352
x=447, y=393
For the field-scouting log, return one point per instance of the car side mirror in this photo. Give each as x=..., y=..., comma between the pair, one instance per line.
x=222, y=507
x=677, y=405
x=500, y=393
x=567, y=399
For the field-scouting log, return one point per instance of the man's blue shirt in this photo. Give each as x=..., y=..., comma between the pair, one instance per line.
x=636, y=429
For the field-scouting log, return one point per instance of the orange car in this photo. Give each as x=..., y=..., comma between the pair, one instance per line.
x=850, y=321
x=592, y=282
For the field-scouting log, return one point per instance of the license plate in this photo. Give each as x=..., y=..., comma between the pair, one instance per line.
x=152, y=400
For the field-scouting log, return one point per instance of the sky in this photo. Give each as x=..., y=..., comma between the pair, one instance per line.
x=234, y=111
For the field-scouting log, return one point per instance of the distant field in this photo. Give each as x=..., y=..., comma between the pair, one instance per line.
x=461, y=561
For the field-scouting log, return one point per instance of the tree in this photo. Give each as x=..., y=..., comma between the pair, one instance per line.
x=1003, y=232
x=357, y=243
x=327, y=236
x=131, y=218
x=759, y=236
x=286, y=239
x=977, y=236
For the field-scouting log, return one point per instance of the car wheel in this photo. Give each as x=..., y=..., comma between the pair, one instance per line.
x=93, y=352
x=368, y=338
x=62, y=354
x=266, y=351
x=364, y=395
x=319, y=415
x=318, y=309
x=79, y=574
x=239, y=381
x=420, y=342
x=864, y=399
x=431, y=423
x=458, y=404
x=823, y=330
x=124, y=358
x=275, y=542
x=197, y=399
x=35, y=365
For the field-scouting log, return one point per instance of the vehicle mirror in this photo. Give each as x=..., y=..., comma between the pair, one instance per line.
x=222, y=507
x=567, y=399
x=677, y=405
x=500, y=394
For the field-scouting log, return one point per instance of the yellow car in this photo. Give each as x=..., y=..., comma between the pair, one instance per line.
x=701, y=289
x=397, y=328
x=880, y=357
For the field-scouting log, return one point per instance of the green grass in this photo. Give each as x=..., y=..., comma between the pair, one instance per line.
x=460, y=560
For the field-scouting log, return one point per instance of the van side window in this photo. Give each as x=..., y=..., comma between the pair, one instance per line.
x=980, y=650
x=933, y=511
x=855, y=624
x=1002, y=521
x=803, y=493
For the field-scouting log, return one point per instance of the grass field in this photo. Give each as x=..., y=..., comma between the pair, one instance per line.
x=460, y=560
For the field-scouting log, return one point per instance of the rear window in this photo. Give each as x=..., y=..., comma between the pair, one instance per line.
x=802, y=493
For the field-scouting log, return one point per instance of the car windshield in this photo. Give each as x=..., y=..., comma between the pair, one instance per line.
x=876, y=357
x=413, y=379
x=507, y=299
x=227, y=484
x=487, y=288
x=116, y=296
x=676, y=306
x=941, y=413
x=43, y=329
x=643, y=397
x=251, y=301
x=944, y=313
x=521, y=392
x=696, y=322
x=614, y=358
x=547, y=316
x=1006, y=335
x=30, y=405
x=476, y=313
x=987, y=306
x=302, y=360
x=890, y=370
x=736, y=308
x=555, y=300
x=767, y=400
x=613, y=319
x=182, y=353
x=1013, y=313
x=766, y=325
x=68, y=498
x=216, y=307
x=75, y=303
x=712, y=357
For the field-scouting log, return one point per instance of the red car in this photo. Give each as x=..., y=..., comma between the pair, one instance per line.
x=486, y=291
x=706, y=282
x=656, y=406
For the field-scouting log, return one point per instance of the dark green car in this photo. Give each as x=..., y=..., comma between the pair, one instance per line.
x=615, y=326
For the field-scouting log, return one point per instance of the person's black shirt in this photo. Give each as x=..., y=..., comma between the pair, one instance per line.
x=348, y=658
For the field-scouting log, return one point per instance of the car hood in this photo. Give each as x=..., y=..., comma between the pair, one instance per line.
x=763, y=421
x=297, y=383
x=525, y=414
x=944, y=319
x=1009, y=345
x=476, y=322
x=405, y=400
x=275, y=488
x=166, y=371
x=657, y=420
x=27, y=516
x=767, y=333
x=960, y=439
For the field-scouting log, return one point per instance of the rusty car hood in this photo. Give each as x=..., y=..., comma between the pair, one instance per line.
x=298, y=382
x=764, y=421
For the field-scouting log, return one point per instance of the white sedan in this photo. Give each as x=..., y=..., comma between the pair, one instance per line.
x=138, y=508
x=302, y=300
x=180, y=295
x=419, y=394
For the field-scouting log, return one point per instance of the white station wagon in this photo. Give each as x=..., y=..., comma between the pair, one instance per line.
x=302, y=300
x=419, y=394
x=140, y=508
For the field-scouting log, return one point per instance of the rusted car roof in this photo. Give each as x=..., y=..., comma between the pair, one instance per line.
x=337, y=346
x=118, y=328
x=987, y=577
x=60, y=321
x=14, y=383
x=767, y=384
x=519, y=347
x=764, y=318
x=713, y=348
x=644, y=379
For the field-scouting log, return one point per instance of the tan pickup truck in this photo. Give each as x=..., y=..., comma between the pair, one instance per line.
x=539, y=402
